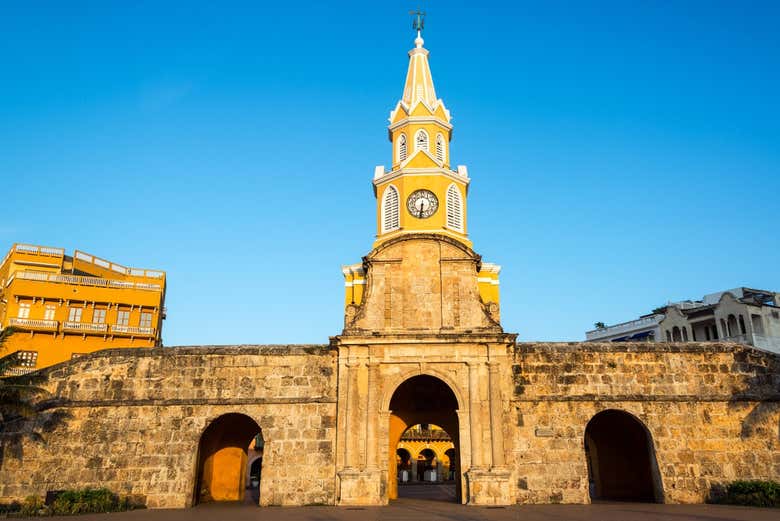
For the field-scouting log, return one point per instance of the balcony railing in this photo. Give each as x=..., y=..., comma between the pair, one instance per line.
x=32, y=323
x=85, y=327
x=17, y=371
x=118, y=268
x=624, y=327
x=82, y=281
x=133, y=330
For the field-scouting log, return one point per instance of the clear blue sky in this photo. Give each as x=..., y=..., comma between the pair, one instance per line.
x=622, y=154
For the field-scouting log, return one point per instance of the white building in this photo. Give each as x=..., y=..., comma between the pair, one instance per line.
x=743, y=315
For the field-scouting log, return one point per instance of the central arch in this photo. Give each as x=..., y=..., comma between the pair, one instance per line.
x=422, y=400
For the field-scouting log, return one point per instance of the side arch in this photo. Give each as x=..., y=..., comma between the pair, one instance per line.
x=621, y=459
x=222, y=458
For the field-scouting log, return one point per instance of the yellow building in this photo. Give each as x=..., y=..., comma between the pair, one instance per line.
x=421, y=193
x=62, y=306
x=426, y=453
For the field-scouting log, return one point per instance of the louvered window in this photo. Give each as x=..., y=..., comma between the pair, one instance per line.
x=402, y=148
x=454, y=209
x=421, y=141
x=390, y=210
x=440, y=148
x=27, y=358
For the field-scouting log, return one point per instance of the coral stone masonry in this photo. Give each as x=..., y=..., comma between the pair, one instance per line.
x=422, y=344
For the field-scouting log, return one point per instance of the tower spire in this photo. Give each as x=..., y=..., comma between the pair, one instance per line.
x=419, y=83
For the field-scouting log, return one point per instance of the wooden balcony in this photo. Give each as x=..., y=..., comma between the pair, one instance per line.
x=132, y=330
x=33, y=323
x=85, y=327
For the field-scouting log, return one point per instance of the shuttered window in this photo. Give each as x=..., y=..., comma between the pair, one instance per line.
x=440, y=148
x=402, y=150
x=390, y=210
x=27, y=358
x=421, y=140
x=454, y=209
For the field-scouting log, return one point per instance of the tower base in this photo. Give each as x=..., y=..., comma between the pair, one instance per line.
x=360, y=487
x=489, y=487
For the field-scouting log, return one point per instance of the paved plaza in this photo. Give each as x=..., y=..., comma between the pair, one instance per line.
x=435, y=508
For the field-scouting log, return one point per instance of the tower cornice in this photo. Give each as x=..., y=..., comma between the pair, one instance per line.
x=395, y=174
x=419, y=120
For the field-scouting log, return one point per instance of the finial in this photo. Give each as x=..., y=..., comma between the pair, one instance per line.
x=418, y=24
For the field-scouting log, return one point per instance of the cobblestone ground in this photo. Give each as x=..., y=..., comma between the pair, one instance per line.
x=410, y=509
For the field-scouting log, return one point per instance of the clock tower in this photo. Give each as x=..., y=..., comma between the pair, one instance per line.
x=421, y=193
x=422, y=341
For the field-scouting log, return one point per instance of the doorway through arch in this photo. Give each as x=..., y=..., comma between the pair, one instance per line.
x=422, y=409
x=621, y=459
x=224, y=471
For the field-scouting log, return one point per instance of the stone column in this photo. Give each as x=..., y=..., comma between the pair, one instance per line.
x=496, y=416
x=371, y=419
x=474, y=415
x=349, y=433
x=413, y=476
x=439, y=470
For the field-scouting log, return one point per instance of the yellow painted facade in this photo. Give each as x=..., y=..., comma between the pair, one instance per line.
x=64, y=306
x=420, y=132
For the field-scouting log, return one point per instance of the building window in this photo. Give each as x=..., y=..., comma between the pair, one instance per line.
x=440, y=147
x=390, y=210
x=122, y=318
x=146, y=319
x=27, y=358
x=454, y=208
x=49, y=312
x=676, y=336
x=685, y=334
x=758, y=325
x=75, y=315
x=421, y=141
x=99, y=316
x=24, y=310
x=742, y=329
x=402, y=148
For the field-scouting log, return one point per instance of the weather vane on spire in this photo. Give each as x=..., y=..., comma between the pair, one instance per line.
x=418, y=24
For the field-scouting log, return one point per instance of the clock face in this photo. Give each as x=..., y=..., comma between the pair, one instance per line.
x=422, y=204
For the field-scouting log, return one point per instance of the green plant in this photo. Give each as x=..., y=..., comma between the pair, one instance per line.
x=10, y=508
x=17, y=395
x=87, y=501
x=31, y=506
x=756, y=493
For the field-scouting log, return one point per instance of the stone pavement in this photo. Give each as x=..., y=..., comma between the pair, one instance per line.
x=409, y=509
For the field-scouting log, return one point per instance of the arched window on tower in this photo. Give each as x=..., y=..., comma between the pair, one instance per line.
x=390, y=210
x=440, y=148
x=421, y=141
x=402, y=149
x=454, y=208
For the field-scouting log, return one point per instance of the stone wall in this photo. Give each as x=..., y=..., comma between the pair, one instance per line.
x=131, y=421
x=712, y=411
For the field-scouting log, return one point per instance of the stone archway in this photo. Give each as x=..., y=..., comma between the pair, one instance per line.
x=621, y=459
x=222, y=458
x=422, y=399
